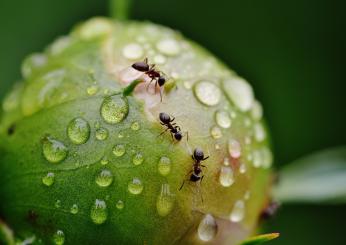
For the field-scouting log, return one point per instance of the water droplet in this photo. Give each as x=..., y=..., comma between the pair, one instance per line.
x=60, y=45
x=226, y=176
x=260, y=133
x=207, y=228
x=223, y=119
x=226, y=161
x=242, y=168
x=257, y=110
x=31, y=63
x=133, y=51
x=168, y=47
x=215, y=132
x=165, y=201
x=138, y=158
x=104, y=161
x=247, y=195
x=217, y=147
x=78, y=131
x=234, y=148
x=92, y=90
x=120, y=204
x=135, y=186
x=114, y=109
x=54, y=151
x=187, y=85
x=135, y=126
x=101, y=134
x=104, y=178
x=247, y=140
x=48, y=180
x=94, y=28
x=208, y=93
x=99, y=213
x=238, y=211
x=57, y=204
x=74, y=209
x=240, y=92
x=262, y=157
x=119, y=150
x=164, y=166
x=59, y=237
x=159, y=59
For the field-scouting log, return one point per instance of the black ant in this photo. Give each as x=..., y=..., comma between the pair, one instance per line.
x=149, y=69
x=175, y=130
x=196, y=173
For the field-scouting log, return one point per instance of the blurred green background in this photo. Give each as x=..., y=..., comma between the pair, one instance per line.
x=292, y=52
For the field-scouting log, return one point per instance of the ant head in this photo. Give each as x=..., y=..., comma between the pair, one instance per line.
x=178, y=136
x=198, y=154
x=164, y=117
x=141, y=66
x=161, y=81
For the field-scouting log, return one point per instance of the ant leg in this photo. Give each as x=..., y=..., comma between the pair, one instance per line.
x=147, y=87
x=201, y=186
x=172, y=119
x=160, y=89
x=146, y=60
x=187, y=135
x=163, y=132
x=181, y=187
x=205, y=158
x=185, y=179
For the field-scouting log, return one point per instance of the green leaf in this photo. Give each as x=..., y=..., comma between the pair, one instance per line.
x=260, y=239
x=318, y=178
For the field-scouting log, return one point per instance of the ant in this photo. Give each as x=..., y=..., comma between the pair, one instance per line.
x=175, y=130
x=196, y=173
x=149, y=69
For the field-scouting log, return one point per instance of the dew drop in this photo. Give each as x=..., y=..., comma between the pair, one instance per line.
x=260, y=133
x=78, y=131
x=168, y=47
x=165, y=201
x=120, y=204
x=99, y=212
x=216, y=132
x=119, y=150
x=256, y=110
x=226, y=161
x=207, y=93
x=234, y=148
x=207, y=228
x=133, y=51
x=240, y=92
x=135, y=126
x=238, y=211
x=48, y=179
x=242, y=168
x=138, y=158
x=187, y=85
x=164, y=166
x=114, y=109
x=54, y=151
x=247, y=195
x=32, y=63
x=226, y=177
x=101, y=134
x=104, y=178
x=159, y=59
x=262, y=157
x=59, y=237
x=135, y=186
x=57, y=204
x=94, y=28
x=222, y=119
x=104, y=161
x=74, y=209
x=92, y=90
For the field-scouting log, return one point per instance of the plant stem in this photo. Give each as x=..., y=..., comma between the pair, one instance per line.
x=119, y=9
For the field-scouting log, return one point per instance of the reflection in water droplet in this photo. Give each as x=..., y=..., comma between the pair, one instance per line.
x=238, y=211
x=59, y=237
x=101, y=134
x=138, y=158
x=164, y=166
x=234, y=148
x=133, y=51
x=208, y=93
x=135, y=186
x=99, y=213
x=120, y=204
x=104, y=178
x=48, y=180
x=135, y=126
x=226, y=176
x=74, y=209
x=207, y=228
x=215, y=132
x=53, y=150
x=165, y=201
x=114, y=109
x=78, y=131
x=119, y=150
x=168, y=47
x=222, y=119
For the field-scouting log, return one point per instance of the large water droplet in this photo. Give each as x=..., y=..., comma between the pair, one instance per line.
x=135, y=186
x=133, y=51
x=54, y=151
x=101, y=134
x=99, y=213
x=119, y=150
x=165, y=201
x=240, y=92
x=59, y=237
x=78, y=131
x=120, y=204
x=259, y=131
x=104, y=178
x=234, y=148
x=207, y=228
x=114, y=109
x=135, y=126
x=74, y=209
x=138, y=158
x=48, y=179
x=222, y=119
x=238, y=211
x=216, y=132
x=164, y=166
x=208, y=93
x=226, y=177
x=168, y=47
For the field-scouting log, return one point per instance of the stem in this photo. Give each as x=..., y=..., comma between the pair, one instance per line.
x=119, y=9
x=129, y=89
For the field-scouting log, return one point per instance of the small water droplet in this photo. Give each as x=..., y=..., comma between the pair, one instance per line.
x=114, y=109
x=247, y=140
x=57, y=204
x=101, y=134
x=208, y=93
x=133, y=51
x=135, y=186
x=238, y=211
x=92, y=90
x=257, y=110
x=207, y=228
x=242, y=168
x=226, y=161
x=78, y=131
x=188, y=85
x=216, y=132
x=217, y=147
x=240, y=92
x=54, y=151
x=247, y=195
x=119, y=150
x=48, y=179
x=164, y=166
x=104, y=161
x=59, y=237
x=135, y=126
x=120, y=204
x=159, y=59
x=74, y=209
x=226, y=177
x=104, y=178
x=234, y=148
x=260, y=133
x=168, y=47
x=138, y=158
x=165, y=201
x=222, y=119
x=99, y=212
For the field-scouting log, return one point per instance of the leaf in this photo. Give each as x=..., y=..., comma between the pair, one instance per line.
x=260, y=239
x=318, y=178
